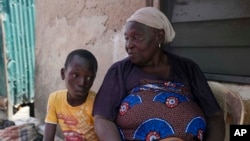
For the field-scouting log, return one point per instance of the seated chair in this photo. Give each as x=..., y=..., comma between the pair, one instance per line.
x=231, y=103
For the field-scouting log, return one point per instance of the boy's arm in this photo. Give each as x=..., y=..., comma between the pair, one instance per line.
x=105, y=129
x=50, y=130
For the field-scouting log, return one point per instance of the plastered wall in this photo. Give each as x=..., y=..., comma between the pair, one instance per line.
x=96, y=25
x=63, y=25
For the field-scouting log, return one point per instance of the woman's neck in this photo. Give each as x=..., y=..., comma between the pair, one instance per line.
x=159, y=66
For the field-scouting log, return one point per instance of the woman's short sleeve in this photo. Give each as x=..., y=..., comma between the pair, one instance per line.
x=202, y=92
x=110, y=94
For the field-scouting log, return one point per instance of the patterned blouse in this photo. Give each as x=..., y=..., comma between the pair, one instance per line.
x=149, y=107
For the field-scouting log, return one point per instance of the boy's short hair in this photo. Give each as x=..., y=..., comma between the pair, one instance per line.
x=83, y=53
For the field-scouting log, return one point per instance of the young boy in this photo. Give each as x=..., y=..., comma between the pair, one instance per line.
x=72, y=108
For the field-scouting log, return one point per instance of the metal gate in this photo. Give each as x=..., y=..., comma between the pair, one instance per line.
x=17, y=42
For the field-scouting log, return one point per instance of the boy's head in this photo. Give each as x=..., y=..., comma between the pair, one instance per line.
x=83, y=54
x=79, y=72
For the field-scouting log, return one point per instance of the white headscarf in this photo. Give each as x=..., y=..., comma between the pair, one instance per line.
x=153, y=17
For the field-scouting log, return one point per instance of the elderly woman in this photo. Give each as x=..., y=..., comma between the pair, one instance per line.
x=153, y=94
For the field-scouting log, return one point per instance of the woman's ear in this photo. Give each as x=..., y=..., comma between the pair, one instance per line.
x=62, y=73
x=161, y=35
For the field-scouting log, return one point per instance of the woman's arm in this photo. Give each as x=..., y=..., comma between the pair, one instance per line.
x=206, y=100
x=105, y=129
x=50, y=130
x=215, y=127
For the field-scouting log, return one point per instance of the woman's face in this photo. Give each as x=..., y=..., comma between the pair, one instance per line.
x=141, y=43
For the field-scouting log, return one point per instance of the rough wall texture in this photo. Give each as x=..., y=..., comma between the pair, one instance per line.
x=63, y=25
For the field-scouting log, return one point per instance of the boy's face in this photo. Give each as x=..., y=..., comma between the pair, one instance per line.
x=79, y=77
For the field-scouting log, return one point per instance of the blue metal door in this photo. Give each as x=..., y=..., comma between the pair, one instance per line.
x=17, y=40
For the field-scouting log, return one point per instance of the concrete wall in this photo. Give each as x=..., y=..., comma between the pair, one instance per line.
x=64, y=25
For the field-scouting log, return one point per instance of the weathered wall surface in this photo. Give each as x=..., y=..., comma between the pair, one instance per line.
x=96, y=25
x=63, y=25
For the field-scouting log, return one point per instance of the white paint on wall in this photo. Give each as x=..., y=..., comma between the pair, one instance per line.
x=119, y=51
